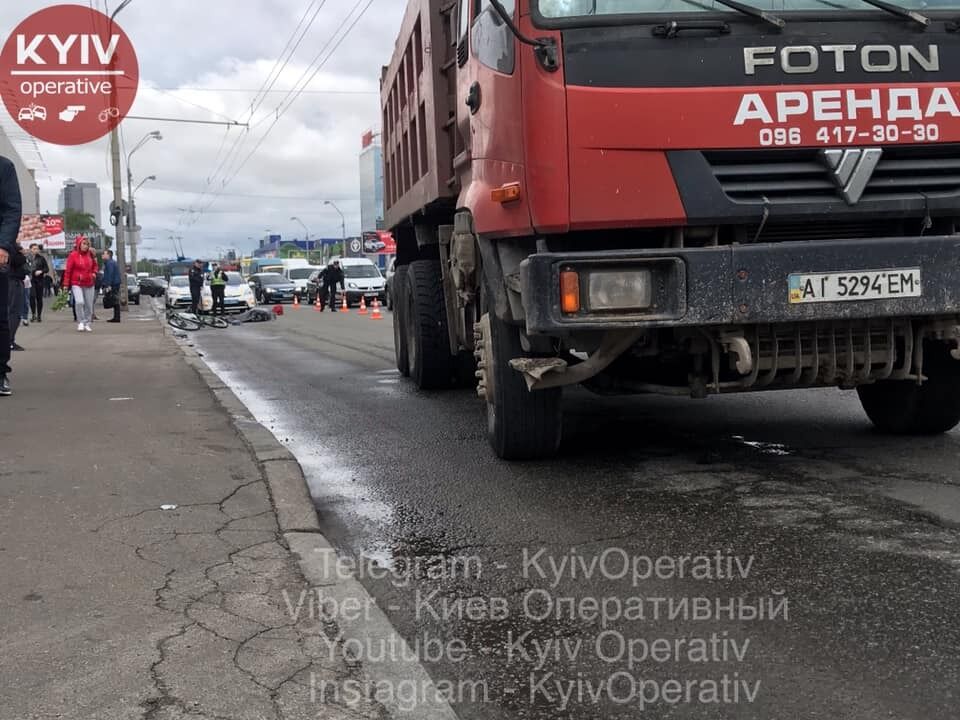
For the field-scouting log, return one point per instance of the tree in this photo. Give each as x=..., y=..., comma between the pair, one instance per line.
x=76, y=221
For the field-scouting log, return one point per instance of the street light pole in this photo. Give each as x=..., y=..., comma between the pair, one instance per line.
x=132, y=210
x=343, y=225
x=307, y=232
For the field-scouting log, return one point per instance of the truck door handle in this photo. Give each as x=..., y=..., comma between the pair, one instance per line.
x=473, y=98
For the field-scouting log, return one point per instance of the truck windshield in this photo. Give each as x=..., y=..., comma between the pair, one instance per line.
x=556, y=9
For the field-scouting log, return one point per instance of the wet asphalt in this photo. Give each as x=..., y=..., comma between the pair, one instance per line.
x=494, y=572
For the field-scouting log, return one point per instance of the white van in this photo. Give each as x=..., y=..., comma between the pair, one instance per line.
x=362, y=278
x=299, y=275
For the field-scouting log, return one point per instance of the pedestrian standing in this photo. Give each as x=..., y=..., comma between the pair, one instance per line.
x=39, y=276
x=10, y=213
x=195, y=277
x=80, y=277
x=332, y=276
x=111, y=281
x=218, y=289
x=18, y=272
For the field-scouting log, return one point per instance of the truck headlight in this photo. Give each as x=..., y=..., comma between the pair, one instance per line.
x=619, y=289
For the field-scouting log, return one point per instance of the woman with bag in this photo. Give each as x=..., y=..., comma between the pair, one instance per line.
x=79, y=278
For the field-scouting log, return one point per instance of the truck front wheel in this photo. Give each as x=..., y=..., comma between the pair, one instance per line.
x=521, y=425
x=902, y=407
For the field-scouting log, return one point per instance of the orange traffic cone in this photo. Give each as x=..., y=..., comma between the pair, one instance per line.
x=344, y=307
x=363, y=306
x=376, y=310
x=296, y=302
x=316, y=305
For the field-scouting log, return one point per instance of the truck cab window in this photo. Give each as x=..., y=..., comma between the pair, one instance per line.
x=493, y=43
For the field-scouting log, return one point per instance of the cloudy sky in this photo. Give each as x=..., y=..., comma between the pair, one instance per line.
x=206, y=60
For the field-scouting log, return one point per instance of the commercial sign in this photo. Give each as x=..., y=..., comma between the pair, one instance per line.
x=379, y=242
x=70, y=73
x=46, y=230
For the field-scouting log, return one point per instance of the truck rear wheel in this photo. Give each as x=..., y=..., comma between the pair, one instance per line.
x=521, y=425
x=398, y=291
x=425, y=319
x=902, y=407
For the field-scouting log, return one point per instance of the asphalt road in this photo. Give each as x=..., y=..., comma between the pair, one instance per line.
x=785, y=500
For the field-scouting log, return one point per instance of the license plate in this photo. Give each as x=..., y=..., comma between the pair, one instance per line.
x=854, y=285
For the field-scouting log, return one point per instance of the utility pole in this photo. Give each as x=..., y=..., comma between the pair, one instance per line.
x=116, y=212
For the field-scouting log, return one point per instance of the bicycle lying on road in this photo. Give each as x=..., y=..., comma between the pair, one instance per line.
x=190, y=321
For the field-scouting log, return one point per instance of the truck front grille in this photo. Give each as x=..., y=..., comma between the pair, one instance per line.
x=801, y=176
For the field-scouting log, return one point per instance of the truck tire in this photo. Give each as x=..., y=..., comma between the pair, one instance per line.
x=521, y=425
x=397, y=291
x=902, y=407
x=425, y=319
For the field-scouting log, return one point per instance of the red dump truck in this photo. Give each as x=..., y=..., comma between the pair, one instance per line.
x=676, y=197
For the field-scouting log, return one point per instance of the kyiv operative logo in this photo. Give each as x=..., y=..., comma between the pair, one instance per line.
x=68, y=75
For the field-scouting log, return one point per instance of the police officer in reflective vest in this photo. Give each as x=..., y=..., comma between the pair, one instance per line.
x=218, y=289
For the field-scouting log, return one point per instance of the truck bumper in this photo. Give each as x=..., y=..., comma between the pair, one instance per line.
x=744, y=284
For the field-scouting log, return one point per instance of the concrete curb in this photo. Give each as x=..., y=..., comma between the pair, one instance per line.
x=300, y=528
x=285, y=480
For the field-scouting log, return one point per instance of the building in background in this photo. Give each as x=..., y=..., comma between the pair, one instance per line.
x=29, y=191
x=371, y=182
x=82, y=197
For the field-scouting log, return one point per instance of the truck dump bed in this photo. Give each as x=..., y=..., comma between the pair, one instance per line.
x=417, y=97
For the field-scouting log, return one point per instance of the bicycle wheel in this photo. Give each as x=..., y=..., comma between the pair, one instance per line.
x=183, y=323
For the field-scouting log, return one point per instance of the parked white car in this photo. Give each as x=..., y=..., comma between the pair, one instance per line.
x=178, y=294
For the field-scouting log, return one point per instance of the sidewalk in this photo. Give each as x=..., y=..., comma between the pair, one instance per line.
x=111, y=607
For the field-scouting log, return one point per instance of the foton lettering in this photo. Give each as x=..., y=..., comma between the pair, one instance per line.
x=797, y=59
x=891, y=104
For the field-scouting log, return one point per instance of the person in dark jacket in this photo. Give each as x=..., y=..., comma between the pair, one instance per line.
x=18, y=273
x=331, y=277
x=111, y=281
x=11, y=209
x=39, y=275
x=196, y=278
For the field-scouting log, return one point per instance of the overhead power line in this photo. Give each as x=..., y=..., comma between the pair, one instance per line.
x=285, y=105
x=240, y=140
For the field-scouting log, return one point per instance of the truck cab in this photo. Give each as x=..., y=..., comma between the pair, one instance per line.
x=681, y=198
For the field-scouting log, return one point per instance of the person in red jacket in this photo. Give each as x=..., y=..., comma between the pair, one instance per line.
x=79, y=277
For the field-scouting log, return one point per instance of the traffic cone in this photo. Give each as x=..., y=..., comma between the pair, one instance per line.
x=316, y=305
x=376, y=310
x=343, y=305
x=296, y=302
x=363, y=306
